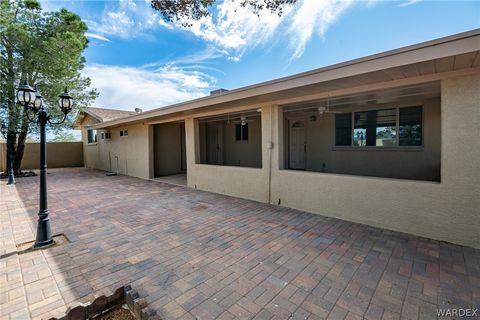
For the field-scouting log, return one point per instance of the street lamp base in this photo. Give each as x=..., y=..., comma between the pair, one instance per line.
x=44, y=232
x=44, y=244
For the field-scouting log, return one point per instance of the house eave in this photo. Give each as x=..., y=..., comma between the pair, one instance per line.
x=394, y=60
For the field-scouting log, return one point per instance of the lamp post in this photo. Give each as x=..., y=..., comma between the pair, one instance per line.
x=8, y=135
x=31, y=100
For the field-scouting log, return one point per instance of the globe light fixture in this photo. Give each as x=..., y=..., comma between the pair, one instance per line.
x=25, y=94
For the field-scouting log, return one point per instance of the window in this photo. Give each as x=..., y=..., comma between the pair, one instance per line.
x=410, y=127
x=106, y=135
x=378, y=128
x=123, y=133
x=375, y=128
x=343, y=129
x=241, y=132
x=92, y=135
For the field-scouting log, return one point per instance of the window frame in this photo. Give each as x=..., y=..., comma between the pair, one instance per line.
x=106, y=135
x=397, y=129
x=124, y=133
x=92, y=143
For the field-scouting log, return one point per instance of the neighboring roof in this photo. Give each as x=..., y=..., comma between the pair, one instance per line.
x=460, y=51
x=105, y=114
x=102, y=114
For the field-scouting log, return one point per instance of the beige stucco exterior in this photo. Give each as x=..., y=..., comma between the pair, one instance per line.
x=131, y=153
x=59, y=155
x=395, y=197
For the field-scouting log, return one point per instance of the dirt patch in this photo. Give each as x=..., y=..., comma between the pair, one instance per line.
x=117, y=314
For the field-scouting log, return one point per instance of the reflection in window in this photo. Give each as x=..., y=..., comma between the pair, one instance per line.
x=92, y=135
x=359, y=137
x=375, y=128
x=410, y=126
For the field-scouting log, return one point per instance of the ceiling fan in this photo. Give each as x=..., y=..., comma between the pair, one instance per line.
x=326, y=109
x=243, y=120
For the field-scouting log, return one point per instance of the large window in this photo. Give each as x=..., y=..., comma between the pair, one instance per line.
x=92, y=135
x=380, y=128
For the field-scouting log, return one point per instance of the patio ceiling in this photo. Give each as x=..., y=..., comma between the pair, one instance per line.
x=416, y=92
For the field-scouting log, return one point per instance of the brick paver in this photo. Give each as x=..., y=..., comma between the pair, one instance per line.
x=194, y=254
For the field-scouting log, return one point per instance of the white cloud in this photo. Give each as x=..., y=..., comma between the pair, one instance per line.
x=236, y=28
x=311, y=16
x=232, y=29
x=127, y=87
x=127, y=19
x=96, y=36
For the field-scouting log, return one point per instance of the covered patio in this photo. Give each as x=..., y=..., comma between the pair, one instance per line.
x=194, y=254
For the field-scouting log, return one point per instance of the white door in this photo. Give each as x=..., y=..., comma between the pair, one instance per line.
x=297, y=146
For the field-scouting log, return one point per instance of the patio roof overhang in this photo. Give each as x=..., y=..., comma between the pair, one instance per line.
x=421, y=63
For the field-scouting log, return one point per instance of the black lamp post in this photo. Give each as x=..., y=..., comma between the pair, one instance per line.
x=9, y=136
x=31, y=100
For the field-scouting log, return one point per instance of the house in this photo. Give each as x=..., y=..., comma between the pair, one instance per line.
x=391, y=140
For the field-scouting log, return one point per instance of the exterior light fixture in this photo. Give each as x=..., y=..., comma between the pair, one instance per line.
x=32, y=100
x=25, y=94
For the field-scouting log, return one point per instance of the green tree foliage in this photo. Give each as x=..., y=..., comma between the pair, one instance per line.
x=64, y=136
x=184, y=10
x=45, y=48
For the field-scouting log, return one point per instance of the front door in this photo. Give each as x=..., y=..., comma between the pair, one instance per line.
x=214, y=143
x=297, y=146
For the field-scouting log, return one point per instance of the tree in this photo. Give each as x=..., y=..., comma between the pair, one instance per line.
x=44, y=48
x=64, y=136
x=184, y=10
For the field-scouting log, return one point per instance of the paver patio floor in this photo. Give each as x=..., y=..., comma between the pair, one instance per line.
x=194, y=254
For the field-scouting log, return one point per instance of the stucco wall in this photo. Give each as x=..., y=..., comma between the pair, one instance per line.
x=448, y=211
x=244, y=153
x=59, y=155
x=417, y=164
x=131, y=153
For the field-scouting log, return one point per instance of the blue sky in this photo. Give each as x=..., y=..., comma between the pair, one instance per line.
x=136, y=60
